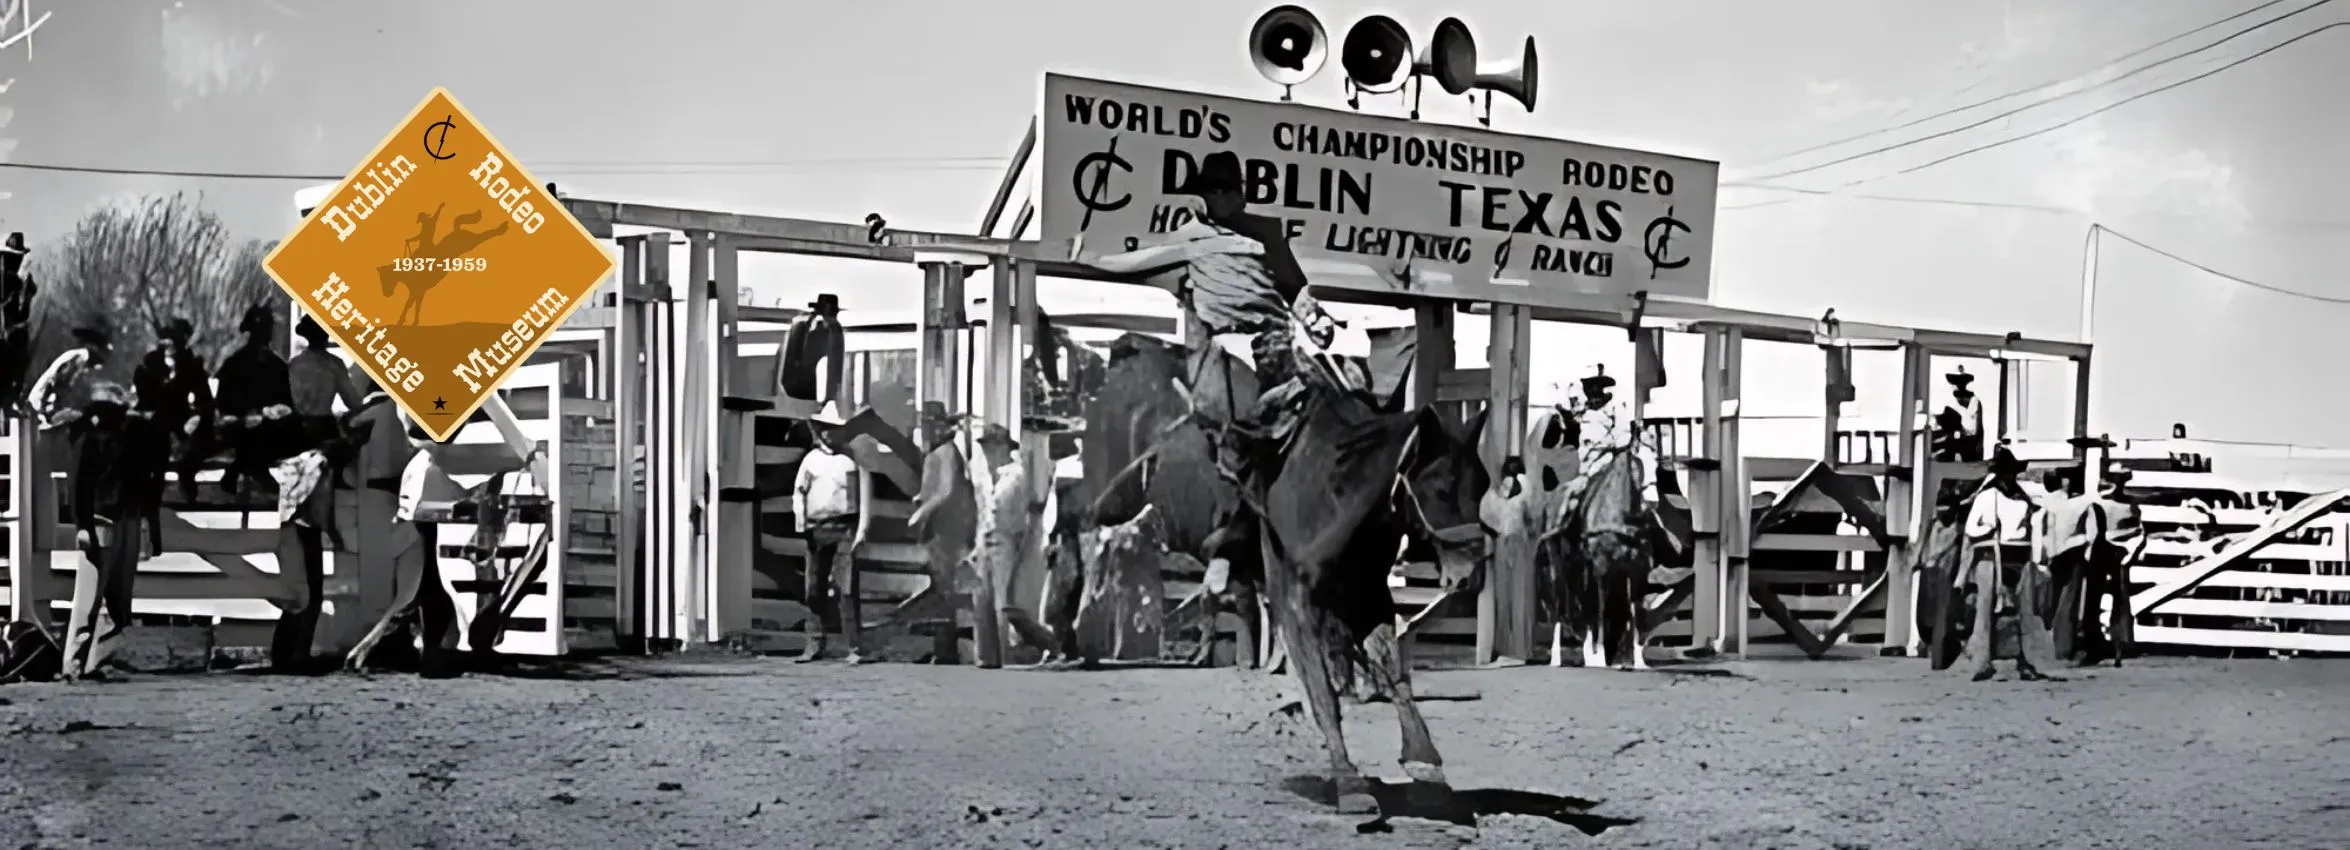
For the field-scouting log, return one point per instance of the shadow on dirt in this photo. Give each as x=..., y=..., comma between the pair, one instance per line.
x=614, y=669
x=1462, y=806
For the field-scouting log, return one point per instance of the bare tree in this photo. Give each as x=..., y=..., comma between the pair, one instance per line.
x=134, y=266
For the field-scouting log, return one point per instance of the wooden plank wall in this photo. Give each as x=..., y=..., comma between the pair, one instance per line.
x=220, y=565
x=1818, y=578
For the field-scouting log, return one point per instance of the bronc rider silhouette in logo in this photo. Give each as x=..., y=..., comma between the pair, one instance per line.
x=428, y=245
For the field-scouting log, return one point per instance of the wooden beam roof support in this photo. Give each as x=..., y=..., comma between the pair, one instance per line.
x=666, y=508
x=735, y=539
x=627, y=338
x=999, y=405
x=1505, y=605
x=699, y=490
x=1737, y=516
x=1708, y=503
x=1908, y=504
x=1010, y=182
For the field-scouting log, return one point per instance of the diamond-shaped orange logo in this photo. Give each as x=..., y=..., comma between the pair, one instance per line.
x=440, y=264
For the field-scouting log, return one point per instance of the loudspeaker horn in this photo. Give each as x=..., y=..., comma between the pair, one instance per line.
x=1516, y=79
x=1288, y=45
x=1377, y=54
x=1452, y=57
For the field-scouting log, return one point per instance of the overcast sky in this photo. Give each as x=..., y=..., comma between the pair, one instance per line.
x=907, y=108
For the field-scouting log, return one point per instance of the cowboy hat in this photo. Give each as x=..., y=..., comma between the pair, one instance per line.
x=994, y=434
x=935, y=413
x=1958, y=377
x=311, y=331
x=2003, y=463
x=14, y=245
x=826, y=304
x=177, y=330
x=828, y=415
x=259, y=318
x=1218, y=172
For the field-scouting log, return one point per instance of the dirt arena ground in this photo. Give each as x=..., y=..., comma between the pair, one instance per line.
x=722, y=752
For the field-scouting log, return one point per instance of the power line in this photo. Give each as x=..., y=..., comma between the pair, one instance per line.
x=1878, y=151
x=743, y=168
x=2232, y=278
x=1902, y=199
x=2108, y=107
x=2018, y=92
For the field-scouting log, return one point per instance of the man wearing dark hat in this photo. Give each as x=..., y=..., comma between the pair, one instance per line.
x=1999, y=535
x=173, y=391
x=254, y=400
x=2089, y=575
x=946, y=521
x=1240, y=278
x=813, y=336
x=1604, y=426
x=1964, y=417
x=112, y=457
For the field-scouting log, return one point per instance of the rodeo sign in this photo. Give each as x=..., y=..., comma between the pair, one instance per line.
x=1377, y=191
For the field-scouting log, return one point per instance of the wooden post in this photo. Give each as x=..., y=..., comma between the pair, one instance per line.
x=625, y=342
x=1710, y=480
x=2005, y=406
x=1905, y=515
x=2081, y=412
x=738, y=519
x=28, y=543
x=1737, y=517
x=1000, y=406
x=700, y=413
x=1027, y=582
x=1831, y=411
x=939, y=379
x=665, y=514
x=1505, y=605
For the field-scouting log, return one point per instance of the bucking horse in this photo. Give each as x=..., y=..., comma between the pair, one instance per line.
x=1350, y=484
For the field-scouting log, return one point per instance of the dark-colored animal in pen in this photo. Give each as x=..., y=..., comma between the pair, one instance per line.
x=1142, y=448
x=1349, y=485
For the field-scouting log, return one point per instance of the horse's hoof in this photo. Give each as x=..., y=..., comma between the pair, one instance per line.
x=1354, y=797
x=1425, y=772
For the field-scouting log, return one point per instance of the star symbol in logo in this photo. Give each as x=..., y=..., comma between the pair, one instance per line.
x=439, y=403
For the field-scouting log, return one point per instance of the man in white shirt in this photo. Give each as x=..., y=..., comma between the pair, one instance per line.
x=827, y=506
x=1964, y=417
x=58, y=396
x=1999, y=540
x=1604, y=426
x=1011, y=525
